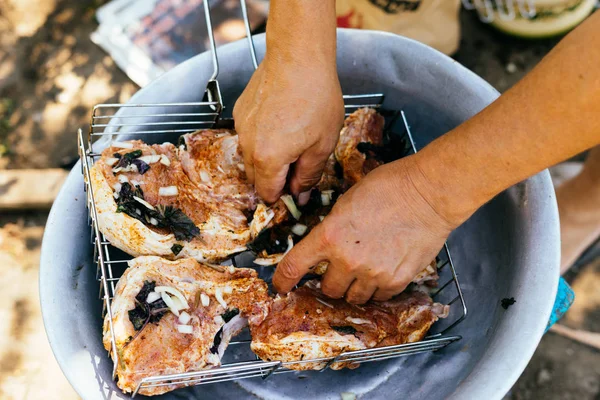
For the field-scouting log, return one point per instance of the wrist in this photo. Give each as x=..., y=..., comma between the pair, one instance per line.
x=441, y=192
x=302, y=32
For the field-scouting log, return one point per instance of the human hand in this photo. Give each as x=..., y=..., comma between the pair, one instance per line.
x=377, y=238
x=290, y=113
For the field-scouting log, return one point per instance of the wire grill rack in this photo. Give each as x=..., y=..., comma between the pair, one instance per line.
x=166, y=122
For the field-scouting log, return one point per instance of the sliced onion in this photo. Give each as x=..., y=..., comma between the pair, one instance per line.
x=152, y=297
x=205, y=177
x=150, y=159
x=227, y=289
x=321, y=218
x=184, y=318
x=291, y=206
x=134, y=182
x=174, y=292
x=143, y=202
x=110, y=161
x=219, y=297
x=213, y=359
x=242, y=167
x=116, y=195
x=204, y=299
x=358, y=321
x=299, y=229
x=326, y=197
x=185, y=329
x=231, y=269
x=220, y=169
x=324, y=302
x=165, y=160
x=117, y=186
x=178, y=304
x=123, y=178
x=168, y=191
x=219, y=320
x=169, y=302
x=153, y=221
x=138, y=211
x=122, y=145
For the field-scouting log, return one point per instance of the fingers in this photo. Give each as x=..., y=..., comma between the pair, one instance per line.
x=249, y=169
x=361, y=291
x=383, y=294
x=335, y=282
x=270, y=180
x=308, y=170
x=297, y=262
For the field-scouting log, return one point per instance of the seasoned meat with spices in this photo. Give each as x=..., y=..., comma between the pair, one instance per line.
x=160, y=200
x=305, y=325
x=212, y=304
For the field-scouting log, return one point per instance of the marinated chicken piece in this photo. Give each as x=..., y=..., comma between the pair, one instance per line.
x=160, y=200
x=179, y=316
x=305, y=325
x=363, y=127
x=429, y=276
x=213, y=161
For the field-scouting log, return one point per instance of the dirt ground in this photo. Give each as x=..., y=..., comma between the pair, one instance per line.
x=51, y=74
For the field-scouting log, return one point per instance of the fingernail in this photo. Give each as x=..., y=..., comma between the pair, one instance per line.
x=303, y=198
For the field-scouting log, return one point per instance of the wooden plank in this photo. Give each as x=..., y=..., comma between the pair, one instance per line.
x=23, y=189
x=591, y=339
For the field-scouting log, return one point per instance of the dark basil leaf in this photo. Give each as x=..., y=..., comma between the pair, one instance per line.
x=272, y=240
x=144, y=312
x=229, y=314
x=141, y=166
x=127, y=158
x=215, y=347
x=138, y=317
x=180, y=224
x=346, y=330
x=176, y=248
x=145, y=291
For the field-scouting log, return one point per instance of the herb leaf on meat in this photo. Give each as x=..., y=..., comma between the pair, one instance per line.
x=176, y=248
x=168, y=217
x=180, y=224
x=132, y=158
x=144, y=312
x=346, y=330
x=229, y=314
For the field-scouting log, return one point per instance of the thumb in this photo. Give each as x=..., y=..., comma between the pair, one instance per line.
x=308, y=170
x=297, y=262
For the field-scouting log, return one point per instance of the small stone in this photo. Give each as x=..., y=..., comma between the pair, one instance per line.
x=544, y=376
x=511, y=68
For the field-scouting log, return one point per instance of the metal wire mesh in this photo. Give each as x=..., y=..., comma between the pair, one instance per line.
x=111, y=262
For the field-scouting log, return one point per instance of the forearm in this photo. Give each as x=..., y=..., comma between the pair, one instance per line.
x=302, y=33
x=549, y=116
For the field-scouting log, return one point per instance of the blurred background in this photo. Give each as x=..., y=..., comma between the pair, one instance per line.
x=58, y=58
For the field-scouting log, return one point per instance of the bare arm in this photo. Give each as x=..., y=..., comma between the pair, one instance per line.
x=412, y=205
x=551, y=115
x=291, y=112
